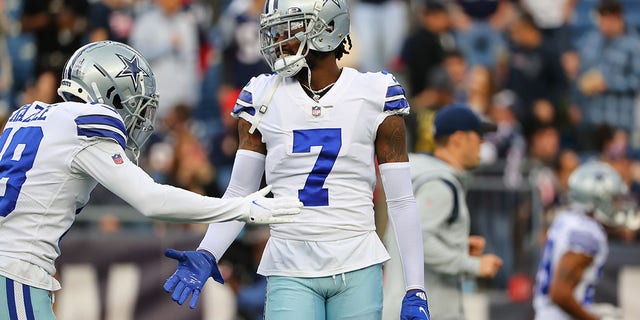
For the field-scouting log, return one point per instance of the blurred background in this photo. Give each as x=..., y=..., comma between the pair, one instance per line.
x=560, y=78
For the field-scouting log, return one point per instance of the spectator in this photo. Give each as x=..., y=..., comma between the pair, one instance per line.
x=110, y=20
x=420, y=121
x=544, y=147
x=479, y=39
x=613, y=147
x=508, y=141
x=568, y=161
x=379, y=40
x=553, y=17
x=450, y=252
x=457, y=69
x=544, y=144
x=424, y=50
x=241, y=47
x=609, y=75
x=191, y=168
x=480, y=89
x=21, y=52
x=535, y=74
x=58, y=28
x=168, y=37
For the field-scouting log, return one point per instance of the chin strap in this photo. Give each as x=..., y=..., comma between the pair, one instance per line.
x=263, y=108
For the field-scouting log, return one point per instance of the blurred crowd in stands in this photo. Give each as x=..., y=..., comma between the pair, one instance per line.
x=560, y=78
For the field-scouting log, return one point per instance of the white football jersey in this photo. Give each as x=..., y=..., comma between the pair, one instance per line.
x=323, y=153
x=40, y=195
x=570, y=232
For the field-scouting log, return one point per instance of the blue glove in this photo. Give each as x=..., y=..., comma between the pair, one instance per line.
x=414, y=306
x=194, y=268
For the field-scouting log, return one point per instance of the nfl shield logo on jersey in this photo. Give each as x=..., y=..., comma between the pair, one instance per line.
x=315, y=111
x=117, y=158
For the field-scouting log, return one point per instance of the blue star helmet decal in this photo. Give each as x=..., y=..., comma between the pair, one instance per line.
x=131, y=69
x=334, y=1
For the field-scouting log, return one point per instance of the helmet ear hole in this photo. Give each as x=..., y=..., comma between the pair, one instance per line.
x=117, y=102
x=331, y=26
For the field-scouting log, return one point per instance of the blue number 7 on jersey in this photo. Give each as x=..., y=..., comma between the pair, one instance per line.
x=313, y=194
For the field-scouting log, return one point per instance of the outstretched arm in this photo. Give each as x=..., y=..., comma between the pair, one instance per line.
x=165, y=202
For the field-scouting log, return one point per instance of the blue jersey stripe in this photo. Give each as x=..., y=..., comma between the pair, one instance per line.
x=28, y=306
x=88, y=120
x=11, y=300
x=237, y=109
x=96, y=132
x=396, y=104
x=394, y=91
x=246, y=96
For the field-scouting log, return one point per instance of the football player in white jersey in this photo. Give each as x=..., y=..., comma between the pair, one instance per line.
x=315, y=130
x=576, y=247
x=52, y=156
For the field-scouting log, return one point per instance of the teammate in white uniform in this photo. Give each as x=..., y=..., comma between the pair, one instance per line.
x=52, y=156
x=576, y=247
x=318, y=129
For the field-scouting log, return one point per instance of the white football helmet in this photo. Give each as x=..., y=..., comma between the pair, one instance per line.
x=117, y=75
x=319, y=25
x=595, y=186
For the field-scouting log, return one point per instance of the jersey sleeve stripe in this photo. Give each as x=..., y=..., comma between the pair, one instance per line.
x=97, y=132
x=246, y=97
x=395, y=90
x=88, y=120
x=395, y=98
x=400, y=103
x=238, y=109
x=102, y=126
x=244, y=104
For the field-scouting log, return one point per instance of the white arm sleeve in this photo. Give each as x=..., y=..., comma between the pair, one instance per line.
x=154, y=200
x=405, y=221
x=248, y=168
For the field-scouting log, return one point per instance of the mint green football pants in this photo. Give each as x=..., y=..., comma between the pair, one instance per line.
x=355, y=295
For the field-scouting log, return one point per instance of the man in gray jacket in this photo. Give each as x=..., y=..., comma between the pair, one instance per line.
x=438, y=183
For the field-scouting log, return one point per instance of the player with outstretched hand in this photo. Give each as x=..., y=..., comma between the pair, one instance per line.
x=316, y=129
x=53, y=155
